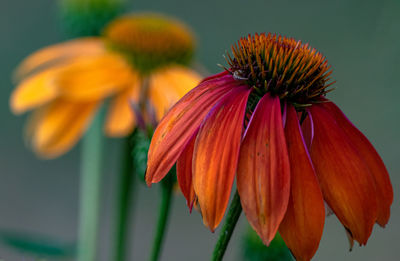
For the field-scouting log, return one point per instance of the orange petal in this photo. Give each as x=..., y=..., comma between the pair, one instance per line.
x=302, y=226
x=34, y=91
x=183, y=79
x=184, y=172
x=94, y=77
x=120, y=119
x=162, y=94
x=59, y=126
x=58, y=53
x=167, y=86
x=216, y=154
x=372, y=159
x=263, y=177
x=179, y=124
x=345, y=180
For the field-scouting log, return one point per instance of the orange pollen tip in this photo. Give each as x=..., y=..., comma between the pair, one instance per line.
x=281, y=66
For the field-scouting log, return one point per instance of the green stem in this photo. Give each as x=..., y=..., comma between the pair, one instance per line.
x=90, y=188
x=166, y=198
x=124, y=201
x=227, y=230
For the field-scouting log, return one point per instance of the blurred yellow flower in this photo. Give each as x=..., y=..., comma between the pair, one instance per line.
x=139, y=56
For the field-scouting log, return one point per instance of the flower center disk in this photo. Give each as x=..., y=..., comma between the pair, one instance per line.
x=150, y=41
x=281, y=66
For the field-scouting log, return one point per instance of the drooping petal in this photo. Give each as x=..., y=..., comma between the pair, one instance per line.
x=263, y=176
x=167, y=86
x=384, y=190
x=184, y=172
x=345, y=179
x=120, y=119
x=59, y=126
x=91, y=78
x=162, y=99
x=216, y=154
x=179, y=124
x=182, y=79
x=302, y=226
x=34, y=91
x=50, y=55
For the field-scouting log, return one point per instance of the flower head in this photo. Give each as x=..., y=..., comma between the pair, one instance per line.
x=266, y=120
x=150, y=41
x=66, y=83
x=282, y=67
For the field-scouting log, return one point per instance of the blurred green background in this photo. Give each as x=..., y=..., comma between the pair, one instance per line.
x=361, y=40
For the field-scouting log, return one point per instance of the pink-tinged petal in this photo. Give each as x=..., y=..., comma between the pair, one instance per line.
x=184, y=172
x=307, y=128
x=384, y=190
x=284, y=114
x=179, y=124
x=215, y=76
x=263, y=176
x=216, y=154
x=302, y=226
x=345, y=180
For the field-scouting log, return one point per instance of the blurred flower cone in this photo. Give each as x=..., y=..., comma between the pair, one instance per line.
x=141, y=59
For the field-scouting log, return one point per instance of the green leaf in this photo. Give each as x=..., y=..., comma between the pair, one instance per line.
x=35, y=245
x=140, y=147
x=255, y=250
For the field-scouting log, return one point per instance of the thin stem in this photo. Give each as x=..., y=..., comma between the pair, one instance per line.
x=227, y=230
x=90, y=188
x=166, y=198
x=144, y=93
x=125, y=192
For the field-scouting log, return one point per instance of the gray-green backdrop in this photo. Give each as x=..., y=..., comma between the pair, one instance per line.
x=360, y=38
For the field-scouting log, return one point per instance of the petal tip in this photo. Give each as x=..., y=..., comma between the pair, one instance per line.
x=190, y=206
x=147, y=179
x=211, y=226
x=382, y=225
x=15, y=107
x=266, y=241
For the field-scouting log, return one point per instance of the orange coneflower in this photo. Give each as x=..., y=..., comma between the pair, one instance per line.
x=266, y=118
x=139, y=56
